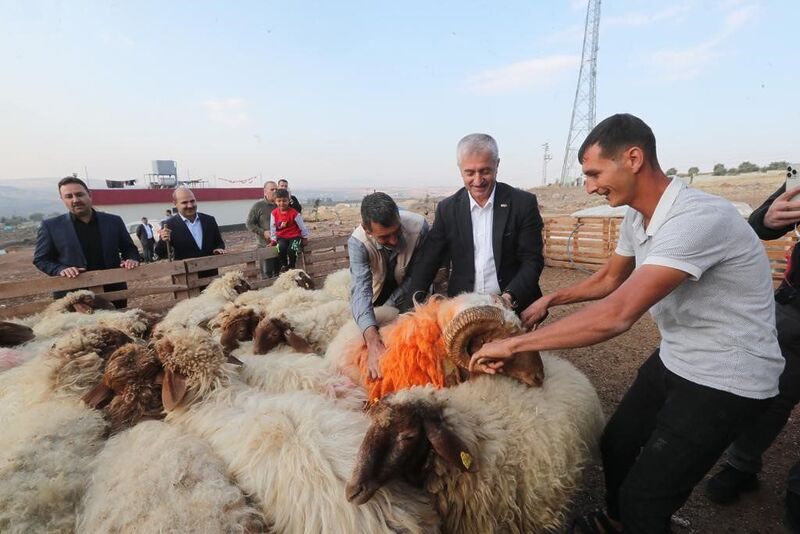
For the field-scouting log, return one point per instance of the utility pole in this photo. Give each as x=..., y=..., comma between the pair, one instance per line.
x=545, y=159
x=583, y=108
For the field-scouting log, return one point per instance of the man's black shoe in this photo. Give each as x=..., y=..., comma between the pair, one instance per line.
x=726, y=486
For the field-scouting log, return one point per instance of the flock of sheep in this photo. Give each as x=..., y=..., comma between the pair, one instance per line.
x=251, y=411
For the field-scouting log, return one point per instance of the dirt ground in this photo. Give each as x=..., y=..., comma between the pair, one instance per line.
x=611, y=366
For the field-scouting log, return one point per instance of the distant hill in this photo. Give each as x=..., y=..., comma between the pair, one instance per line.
x=30, y=195
x=23, y=202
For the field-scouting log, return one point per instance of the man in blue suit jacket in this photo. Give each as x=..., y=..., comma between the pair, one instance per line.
x=191, y=234
x=83, y=239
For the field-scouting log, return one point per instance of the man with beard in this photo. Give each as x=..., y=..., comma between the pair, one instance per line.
x=83, y=239
x=380, y=251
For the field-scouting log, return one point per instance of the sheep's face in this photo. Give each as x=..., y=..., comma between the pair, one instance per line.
x=269, y=333
x=100, y=339
x=89, y=302
x=137, y=402
x=303, y=280
x=194, y=365
x=239, y=326
x=241, y=286
x=398, y=443
x=12, y=334
x=130, y=383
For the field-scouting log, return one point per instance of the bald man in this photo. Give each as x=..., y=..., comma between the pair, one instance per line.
x=191, y=234
x=258, y=221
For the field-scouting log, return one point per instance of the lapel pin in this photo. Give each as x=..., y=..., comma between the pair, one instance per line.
x=503, y=205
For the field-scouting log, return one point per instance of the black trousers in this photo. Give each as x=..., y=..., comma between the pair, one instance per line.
x=147, y=249
x=665, y=435
x=287, y=257
x=745, y=453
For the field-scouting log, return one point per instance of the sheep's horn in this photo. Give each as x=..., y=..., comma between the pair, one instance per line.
x=484, y=321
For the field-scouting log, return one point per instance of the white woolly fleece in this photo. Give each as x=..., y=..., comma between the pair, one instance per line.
x=531, y=445
x=155, y=478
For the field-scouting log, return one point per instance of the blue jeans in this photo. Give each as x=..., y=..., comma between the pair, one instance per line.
x=665, y=435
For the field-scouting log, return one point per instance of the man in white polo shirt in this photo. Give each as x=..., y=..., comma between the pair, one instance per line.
x=694, y=262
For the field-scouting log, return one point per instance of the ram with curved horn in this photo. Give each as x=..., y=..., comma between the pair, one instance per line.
x=432, y=345
x=473, y=327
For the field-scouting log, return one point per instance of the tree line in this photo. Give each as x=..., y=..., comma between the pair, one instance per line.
x=743, y=167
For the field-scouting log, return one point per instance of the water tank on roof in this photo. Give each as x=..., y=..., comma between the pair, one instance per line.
x=167, y=181
x=166, y=167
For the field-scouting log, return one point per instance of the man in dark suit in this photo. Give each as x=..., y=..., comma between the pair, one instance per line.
x=488, y=232
x=145, y=234
x=83, y=239
x=190, y=234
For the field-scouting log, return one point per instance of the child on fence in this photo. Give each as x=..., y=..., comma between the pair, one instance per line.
x=287, y=230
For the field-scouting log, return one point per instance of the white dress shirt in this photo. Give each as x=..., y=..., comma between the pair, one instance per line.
x=148, y=230
x=482, y=223
x=196, y=229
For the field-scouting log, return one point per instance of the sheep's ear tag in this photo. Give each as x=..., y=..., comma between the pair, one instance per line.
x=466, y=459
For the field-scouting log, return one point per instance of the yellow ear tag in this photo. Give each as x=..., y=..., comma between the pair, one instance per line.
x=466, y=459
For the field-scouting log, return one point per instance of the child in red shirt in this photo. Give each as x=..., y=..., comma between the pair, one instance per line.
x=287, y=230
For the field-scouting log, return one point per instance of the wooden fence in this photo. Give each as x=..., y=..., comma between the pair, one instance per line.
x=587, y=242
x=159, y=286
x=574, y=243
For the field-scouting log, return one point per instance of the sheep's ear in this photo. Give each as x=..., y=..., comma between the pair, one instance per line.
x=97, y=396
x=82, y=307
x=297, y=343
x=448, y=445
x=173, y=390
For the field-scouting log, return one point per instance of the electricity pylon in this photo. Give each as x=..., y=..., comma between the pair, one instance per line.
x=583, y=109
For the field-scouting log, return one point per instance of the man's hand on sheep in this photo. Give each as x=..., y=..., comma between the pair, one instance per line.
x=490, y=357
x=375, y=352
x=129, y=264
x=218, y=251
x=72, y=272
x=535, y=313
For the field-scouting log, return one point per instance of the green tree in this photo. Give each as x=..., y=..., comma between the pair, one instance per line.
x=719, y=169
x=693, y=171
x=777, y=166
x=36, y=216
x=746, y=166
x=672, y=171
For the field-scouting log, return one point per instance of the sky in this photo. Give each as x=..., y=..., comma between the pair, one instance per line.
x=371, y=93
